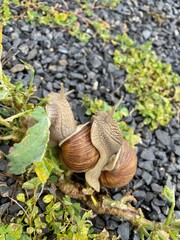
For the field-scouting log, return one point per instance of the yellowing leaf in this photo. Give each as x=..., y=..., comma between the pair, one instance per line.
x=48, y=198
x=20, y=197
x=61, y=16
x=43, y=169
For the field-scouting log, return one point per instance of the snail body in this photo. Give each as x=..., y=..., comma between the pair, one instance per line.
x=96, y=148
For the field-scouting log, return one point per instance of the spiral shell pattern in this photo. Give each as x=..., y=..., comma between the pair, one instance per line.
x=124, y=169
x=77, y=152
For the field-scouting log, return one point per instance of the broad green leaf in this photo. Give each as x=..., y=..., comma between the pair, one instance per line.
x=33, y=146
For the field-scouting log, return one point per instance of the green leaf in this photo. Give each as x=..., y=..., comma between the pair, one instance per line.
x=169, y=194
x=24, y=237
x=31, y=184
x=33, y=146
x=15, y=229
x=3, y=92
x=21, y=197
x=124, y=111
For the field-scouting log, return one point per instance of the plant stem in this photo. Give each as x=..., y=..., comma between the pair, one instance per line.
x=10, y=137
x=10, y=119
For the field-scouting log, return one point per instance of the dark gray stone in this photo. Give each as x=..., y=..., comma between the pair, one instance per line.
x=149, y=197
x=156, y=188
x=96, y=62
x=74, y=75
x=147, y=177
x=146, y=33
x=124, y=231
x=177, y=149
x=148, y=154
x=5, y=191
x=112, y=225
x=3, y=208
x=3, y=165
x=140, y=194
x=24, y=48
x=111, y=68
x=32, y=54
x=147, y=165
x=99, y=223
x=163, y=137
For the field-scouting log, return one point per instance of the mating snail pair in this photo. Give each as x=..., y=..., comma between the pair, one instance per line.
x=96, y=148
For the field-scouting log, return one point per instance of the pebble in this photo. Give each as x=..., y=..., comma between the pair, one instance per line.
x=32, y=54
x=148, y=154
x=112, y=225
x=147, y=177
x=99, y=223
x=124, y=231
x=156, y=188
x=177, y=150
x=146, y=34
x=3, y=208
x=147, y=165
x=140, y=194
x=18, y=68
x=163, y=137
x=96, y=62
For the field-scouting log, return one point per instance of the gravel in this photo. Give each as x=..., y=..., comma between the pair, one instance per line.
x=88, y=68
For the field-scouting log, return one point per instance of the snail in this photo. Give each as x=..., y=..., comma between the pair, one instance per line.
x=96, y=147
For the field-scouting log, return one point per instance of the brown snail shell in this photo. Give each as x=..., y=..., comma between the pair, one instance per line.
x=124, y=169
x=77, y=151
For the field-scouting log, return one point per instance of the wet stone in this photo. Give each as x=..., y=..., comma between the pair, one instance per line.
x=146, y=33
x=148, y=154
x=5, y=190
x=99, y=223
x=24, y=48
x=14, y=209
x=112, y=225
x=139, y=194
x=149, y=196
x=3, y=165
x=177, y=150
x=158, y=202
x=74, y=75
x=18, y=68
x=124, y=231
x=3, y=208
x=96, y=62
x=156, y=188
x=32, y=54
x=147, y=165
x=163, y=137
x=147, y=177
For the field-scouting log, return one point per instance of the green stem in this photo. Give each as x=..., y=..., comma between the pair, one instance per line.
x=5, y=123
x=170, y=214
x=10, y=119
x=10, y=137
